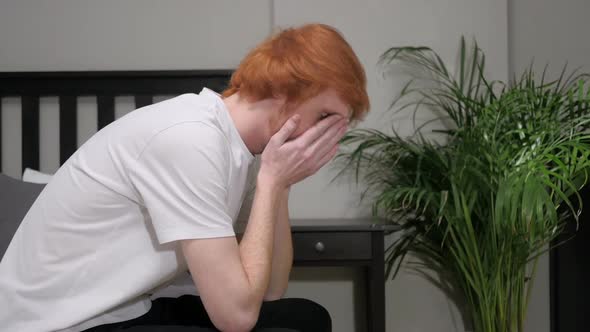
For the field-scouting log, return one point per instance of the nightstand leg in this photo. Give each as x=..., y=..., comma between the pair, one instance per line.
x=376, y=285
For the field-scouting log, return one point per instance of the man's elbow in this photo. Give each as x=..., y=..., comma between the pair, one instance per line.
x=237, y=322
x=274, y=295
x=277, y=291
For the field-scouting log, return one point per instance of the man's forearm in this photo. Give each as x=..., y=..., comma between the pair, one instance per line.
x=282, y=259
x=256, y=246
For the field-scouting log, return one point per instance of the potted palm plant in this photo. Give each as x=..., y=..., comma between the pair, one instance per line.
x=482, y=203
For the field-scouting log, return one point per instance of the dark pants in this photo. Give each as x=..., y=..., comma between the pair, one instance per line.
x=187, y=313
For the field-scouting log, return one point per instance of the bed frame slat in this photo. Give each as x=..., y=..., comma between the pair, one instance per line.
x=30, y=132
x=1, y=163
x=68, y=127
x=106, y=110
x=142, y=100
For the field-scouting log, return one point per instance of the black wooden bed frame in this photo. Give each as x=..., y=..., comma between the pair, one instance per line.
x=105, y=85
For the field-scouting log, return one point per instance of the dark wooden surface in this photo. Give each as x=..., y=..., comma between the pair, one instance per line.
x=68, y=127
x=0, y=135
x=106, y=110
x=30, y=131
x=142, y=83
x=343, y=225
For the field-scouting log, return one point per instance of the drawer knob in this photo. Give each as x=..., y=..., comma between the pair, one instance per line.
x=319, y=247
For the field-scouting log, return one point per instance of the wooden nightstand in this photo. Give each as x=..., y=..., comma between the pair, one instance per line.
x=347, y=242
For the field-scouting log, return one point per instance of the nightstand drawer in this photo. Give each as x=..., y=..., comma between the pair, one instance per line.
x=314, y=246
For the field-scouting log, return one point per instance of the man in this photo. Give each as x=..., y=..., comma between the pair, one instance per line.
x=158, y=191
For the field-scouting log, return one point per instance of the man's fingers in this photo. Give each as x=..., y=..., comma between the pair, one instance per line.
x=313, y=133
x=326, y=158
x=331, y=137
x=287, y=130
x=327, y=149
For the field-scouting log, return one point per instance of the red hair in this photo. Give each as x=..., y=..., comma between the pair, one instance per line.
x=300, y=63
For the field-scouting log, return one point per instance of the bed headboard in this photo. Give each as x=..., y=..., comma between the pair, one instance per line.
x=104, y=85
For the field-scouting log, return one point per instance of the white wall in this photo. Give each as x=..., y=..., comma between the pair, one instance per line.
x=128, y=35
x=183, y=34
x=553, y=33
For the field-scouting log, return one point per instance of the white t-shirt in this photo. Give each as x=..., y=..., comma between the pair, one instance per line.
x=103, y=233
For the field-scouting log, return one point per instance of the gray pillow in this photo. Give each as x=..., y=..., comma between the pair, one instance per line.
x=16, y=197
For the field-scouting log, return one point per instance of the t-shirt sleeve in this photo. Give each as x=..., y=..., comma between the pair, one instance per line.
x=181, y=177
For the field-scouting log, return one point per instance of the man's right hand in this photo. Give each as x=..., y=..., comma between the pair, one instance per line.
x=285, y=162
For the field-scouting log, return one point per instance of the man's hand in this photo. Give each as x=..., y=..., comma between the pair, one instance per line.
x=233, y=279
x=285, y=163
